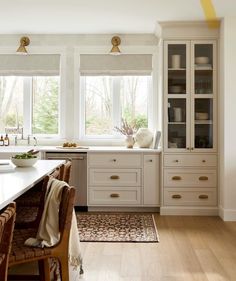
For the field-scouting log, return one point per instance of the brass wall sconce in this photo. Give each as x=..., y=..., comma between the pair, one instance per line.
x=24, y=41
x=115, y=49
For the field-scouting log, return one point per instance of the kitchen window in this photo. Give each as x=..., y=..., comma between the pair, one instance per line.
x=30, y=103
x=29, y=94
x=113, y=89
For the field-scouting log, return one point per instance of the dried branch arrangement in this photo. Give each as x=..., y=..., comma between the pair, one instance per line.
x=126, y=129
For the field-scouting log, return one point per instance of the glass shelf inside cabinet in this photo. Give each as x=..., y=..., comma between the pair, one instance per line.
x=177, y=69
x=176, y=123
x=203, y=126
x=203, y=55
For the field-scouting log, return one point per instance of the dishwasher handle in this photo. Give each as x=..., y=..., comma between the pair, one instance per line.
x=65, y=158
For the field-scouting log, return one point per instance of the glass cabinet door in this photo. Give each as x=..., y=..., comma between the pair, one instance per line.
x=177, y=91
x=203, y=96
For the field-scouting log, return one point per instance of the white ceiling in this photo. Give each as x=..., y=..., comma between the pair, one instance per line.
x=100, y=16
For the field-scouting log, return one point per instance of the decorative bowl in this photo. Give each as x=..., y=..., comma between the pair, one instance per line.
x=202, y=60
x=176, y=89
x=24, y=162
x=201, y=116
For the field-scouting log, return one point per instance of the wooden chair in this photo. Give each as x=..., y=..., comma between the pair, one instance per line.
x=7, y=219
x=23, y=254
x=67, y=171
x=29, y=213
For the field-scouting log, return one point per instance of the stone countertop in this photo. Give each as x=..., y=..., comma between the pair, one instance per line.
x=21, y=149
x=16, y=182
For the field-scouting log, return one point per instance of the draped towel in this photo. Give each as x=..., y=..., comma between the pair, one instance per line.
x=48, y=232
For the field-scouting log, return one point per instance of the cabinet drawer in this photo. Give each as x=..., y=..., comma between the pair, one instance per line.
x=114, y=197
x=189, y=178
x=190, y=197
x=114, y=177
x=201, y=160
x=114, y=160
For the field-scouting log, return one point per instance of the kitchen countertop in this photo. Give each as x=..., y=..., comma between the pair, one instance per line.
x=20, y=149
x=20, y=179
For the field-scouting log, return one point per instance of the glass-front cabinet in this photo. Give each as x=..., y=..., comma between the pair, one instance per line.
x=190, y=96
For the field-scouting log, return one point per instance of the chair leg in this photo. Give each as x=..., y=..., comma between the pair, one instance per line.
x=44, y=270
x=64, y=268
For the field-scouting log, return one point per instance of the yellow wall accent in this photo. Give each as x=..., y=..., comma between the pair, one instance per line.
x=210, y=13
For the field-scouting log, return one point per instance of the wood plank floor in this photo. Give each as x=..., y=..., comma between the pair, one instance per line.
x=190, y=248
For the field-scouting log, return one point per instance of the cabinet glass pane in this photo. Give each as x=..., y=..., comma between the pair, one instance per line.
x=176, y=123
x=203, y=56
x=177, y=69
x=203, y=114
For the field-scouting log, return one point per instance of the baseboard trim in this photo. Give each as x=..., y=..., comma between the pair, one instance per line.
x=189, y=211
x=227, y=214
x=125, y=209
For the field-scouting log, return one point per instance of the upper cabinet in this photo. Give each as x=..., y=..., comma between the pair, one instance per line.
x=190, y=96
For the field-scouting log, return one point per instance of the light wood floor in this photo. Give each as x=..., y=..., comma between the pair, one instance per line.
x=190, y=248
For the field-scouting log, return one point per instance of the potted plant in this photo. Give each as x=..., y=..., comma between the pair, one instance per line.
x=128, y=130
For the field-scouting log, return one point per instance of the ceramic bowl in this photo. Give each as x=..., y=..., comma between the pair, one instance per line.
x=176, y=89
x=24, y=162
x=201, y=60
x=201, y=116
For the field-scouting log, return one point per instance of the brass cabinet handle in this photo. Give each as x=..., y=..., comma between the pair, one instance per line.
x=176, y=161
x=114, y=177
x=203, y=178
x=203, y=161
x=114, y=195
x=188, y=148
x=176, y=196
x=150, y=160
x=203, y=196
x=114, y=160
x=176, y=178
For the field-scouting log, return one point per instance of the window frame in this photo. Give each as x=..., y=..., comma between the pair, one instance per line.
x=62, y=118
x=79, y=110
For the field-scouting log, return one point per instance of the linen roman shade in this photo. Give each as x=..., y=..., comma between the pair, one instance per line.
x=30, y=65
x=135, y=64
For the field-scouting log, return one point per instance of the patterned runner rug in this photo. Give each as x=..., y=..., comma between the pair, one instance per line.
x=117, y=227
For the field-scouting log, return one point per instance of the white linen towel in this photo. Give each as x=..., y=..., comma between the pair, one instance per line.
x=48, y=232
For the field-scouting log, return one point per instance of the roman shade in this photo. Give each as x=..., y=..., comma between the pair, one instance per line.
x=135, y=64
x=30, y=65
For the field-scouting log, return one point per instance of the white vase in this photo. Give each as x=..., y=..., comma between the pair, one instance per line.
x=129, y=141
x=144, y=137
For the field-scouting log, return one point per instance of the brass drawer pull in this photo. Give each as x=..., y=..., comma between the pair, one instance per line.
x=176, y=161
x=114, y=160
x=203, y=161
x=150, y=160
x=203, y=196
x=176, y=178
x=203, y=178
x=176, y=196
x=114, y=195
x=114, y=177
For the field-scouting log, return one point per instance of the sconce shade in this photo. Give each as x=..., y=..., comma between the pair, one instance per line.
x=24, y=41
x=115, y=49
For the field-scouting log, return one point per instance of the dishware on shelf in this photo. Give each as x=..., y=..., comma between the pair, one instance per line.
x=202, y=60
x=175, y=61
x=176, y=89
x=177, y=114
x=201, y=116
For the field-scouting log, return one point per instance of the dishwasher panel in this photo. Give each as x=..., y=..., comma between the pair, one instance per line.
x=78, y=177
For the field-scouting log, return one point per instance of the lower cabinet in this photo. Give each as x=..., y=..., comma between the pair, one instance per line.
x=189, y=184
x=123, y=179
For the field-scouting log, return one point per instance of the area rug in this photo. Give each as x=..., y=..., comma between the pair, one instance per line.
x=117, y=227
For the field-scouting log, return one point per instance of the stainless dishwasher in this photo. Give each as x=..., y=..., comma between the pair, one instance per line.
x=78, y=177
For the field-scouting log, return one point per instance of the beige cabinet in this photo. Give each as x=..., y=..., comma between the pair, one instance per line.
x=151, y=179
x=190, y=127
x=123, y=179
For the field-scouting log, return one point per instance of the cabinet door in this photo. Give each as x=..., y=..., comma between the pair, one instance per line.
x=151, y=180
x=177, y=95
x=203, y=104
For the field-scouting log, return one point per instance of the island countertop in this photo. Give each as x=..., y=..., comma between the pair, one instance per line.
x=16, y=182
